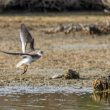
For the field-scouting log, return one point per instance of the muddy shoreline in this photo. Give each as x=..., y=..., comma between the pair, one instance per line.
x=87, y=55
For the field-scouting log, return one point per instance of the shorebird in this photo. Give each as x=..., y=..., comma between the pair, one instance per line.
x=27, y=57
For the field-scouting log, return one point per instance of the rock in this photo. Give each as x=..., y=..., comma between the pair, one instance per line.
x=71, y=74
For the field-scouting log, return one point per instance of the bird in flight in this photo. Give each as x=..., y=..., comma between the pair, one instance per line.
x=27, y=57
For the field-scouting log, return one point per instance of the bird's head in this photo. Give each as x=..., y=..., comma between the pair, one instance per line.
x=40, y=53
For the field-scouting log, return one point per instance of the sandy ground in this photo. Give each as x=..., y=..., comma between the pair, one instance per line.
x=87, y=55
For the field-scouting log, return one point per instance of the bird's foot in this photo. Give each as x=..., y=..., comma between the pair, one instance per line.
x=25, y=69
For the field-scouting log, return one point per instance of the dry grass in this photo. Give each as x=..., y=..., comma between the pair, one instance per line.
x=38, y=19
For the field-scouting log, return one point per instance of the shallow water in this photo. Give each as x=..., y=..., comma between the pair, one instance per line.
x=52, y=98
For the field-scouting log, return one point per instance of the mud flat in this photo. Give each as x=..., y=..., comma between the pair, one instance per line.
x=89, y=56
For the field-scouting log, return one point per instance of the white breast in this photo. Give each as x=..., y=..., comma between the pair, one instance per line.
x=28, y=60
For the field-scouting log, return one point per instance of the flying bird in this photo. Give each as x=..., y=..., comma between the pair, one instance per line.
x=27, y=57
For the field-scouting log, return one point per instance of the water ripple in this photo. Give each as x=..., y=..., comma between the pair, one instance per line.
x=43, y=89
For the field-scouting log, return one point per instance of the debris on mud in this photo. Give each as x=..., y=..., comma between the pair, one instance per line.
x=71, y=74
x=101, y=84
x=98, y=28
x=56, y=76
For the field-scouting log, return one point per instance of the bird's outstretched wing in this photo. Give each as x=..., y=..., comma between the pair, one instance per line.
x=14, y=53
x=26, y=38
x=24, y=55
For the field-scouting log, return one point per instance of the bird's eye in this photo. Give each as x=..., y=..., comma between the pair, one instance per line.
x=41, y=52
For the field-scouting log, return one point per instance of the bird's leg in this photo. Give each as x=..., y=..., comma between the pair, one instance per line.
x=25, y=69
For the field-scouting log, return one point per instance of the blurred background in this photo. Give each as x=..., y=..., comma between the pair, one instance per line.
x=54, y=5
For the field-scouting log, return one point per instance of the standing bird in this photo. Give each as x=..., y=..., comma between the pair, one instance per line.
x=28, y=57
